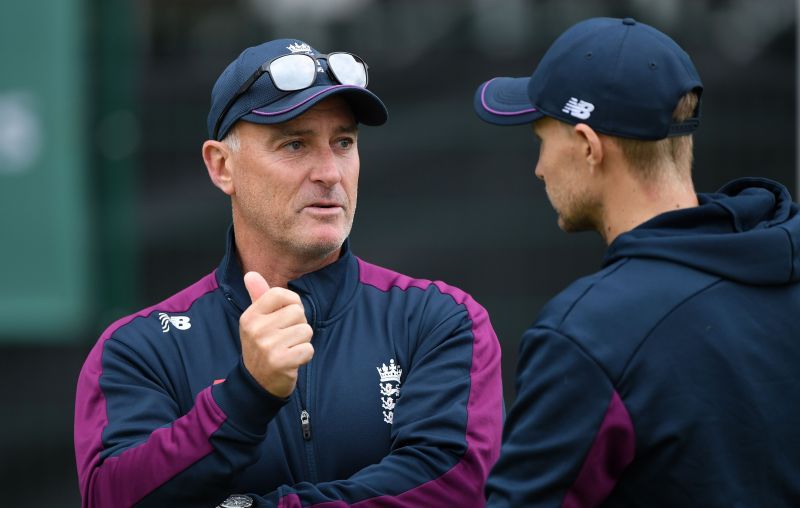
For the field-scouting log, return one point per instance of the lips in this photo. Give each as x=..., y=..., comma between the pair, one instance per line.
x=326, y=204
x=324, y=207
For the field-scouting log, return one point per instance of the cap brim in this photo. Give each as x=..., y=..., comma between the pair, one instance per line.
x=504, y=101
x=367, y=107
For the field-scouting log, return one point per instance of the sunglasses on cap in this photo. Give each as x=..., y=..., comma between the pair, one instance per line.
x=298, y=71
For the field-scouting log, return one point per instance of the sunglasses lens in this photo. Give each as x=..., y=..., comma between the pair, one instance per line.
x=293, y=72
x=347, y=69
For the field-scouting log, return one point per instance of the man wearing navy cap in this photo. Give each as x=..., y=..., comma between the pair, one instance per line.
x=670, y=377
x=295, y=374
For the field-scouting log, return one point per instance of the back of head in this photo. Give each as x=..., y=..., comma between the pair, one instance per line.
x=650, y=157
x=623, y=78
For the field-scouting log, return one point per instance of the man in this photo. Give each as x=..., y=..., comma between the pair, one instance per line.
x=315, y=377
x=670, y=377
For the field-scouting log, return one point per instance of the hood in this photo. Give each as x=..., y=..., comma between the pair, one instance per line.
x=749, y=232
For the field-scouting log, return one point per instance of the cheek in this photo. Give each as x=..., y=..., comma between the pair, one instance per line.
x=350, y=179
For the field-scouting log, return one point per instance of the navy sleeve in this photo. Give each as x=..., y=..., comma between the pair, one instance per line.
x=134, y=445
x=568, y=436
x=446, y=427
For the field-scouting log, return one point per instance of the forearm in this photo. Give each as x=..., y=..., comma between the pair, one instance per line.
x=145, y=451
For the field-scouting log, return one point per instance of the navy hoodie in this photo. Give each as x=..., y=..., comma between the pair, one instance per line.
x=671, y=377
x=401, y=404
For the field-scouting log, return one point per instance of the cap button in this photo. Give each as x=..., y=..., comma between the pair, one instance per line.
x=628, y=21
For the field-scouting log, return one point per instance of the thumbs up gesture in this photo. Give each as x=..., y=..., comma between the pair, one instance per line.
x=276, y=338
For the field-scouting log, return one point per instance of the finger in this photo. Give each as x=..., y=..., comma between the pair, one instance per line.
x=258, y=324
x=256, y=285
x=292, y=358
x=301, y=354
x=287, y=337
x=274, y=299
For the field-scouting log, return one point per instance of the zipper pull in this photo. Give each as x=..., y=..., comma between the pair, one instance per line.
x=305, y=423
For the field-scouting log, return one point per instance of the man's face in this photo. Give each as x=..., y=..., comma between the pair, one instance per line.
x=562, y=167
x=295, y=184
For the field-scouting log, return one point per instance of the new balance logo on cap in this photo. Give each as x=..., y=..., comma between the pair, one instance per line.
x=578, y=109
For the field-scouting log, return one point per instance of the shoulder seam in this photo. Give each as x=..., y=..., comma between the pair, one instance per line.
x=580, y=348
x=649, y=333
x=161, y=306
x=589, y=288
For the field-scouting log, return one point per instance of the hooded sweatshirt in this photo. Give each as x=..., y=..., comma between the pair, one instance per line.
x=671, y=377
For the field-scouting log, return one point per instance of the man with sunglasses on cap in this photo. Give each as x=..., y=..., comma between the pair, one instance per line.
x=296, y=373
x=670, y=377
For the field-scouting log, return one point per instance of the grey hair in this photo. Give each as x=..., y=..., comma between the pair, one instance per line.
x=232, y=140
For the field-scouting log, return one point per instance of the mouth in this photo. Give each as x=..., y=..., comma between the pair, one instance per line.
x=324, y=207
x=325, y=204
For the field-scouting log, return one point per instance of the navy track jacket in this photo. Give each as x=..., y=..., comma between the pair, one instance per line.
x=671, y=377
x=401, y=404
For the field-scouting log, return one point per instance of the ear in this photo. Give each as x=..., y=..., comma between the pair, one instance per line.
x=594, y=151
x=217, y=156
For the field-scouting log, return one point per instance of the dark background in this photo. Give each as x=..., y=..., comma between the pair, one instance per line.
x=442, y=195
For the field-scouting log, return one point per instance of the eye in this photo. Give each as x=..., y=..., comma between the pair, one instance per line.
x=345, y=143
x=293, y=146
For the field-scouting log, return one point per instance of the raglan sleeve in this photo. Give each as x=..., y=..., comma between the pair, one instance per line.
x=568, y=436
x=134, y=445
x=446, y=426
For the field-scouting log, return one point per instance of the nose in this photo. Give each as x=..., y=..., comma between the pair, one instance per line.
x=538, y=172
x=326, y=169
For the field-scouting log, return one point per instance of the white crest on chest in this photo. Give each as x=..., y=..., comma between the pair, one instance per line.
x=389, y=388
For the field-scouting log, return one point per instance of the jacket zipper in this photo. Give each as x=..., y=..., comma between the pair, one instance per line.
x=305, y=403
x=305, y=424
x=305, y=415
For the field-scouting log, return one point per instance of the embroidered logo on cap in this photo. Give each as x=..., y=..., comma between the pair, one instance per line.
x=578, y=109
x=299, y=48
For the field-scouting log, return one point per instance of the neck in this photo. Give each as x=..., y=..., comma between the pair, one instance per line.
x=276, y=264
x=631, y=200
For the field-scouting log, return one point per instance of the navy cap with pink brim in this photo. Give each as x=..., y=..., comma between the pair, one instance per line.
x=504, y=101
x=619, y=76
x=264, y=103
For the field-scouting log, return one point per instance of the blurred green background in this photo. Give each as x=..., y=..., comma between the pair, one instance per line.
x=106, y=207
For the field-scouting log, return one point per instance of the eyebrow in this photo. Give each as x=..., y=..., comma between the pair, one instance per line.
x=347, y=129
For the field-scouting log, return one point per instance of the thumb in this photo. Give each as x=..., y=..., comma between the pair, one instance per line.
x=256, y=285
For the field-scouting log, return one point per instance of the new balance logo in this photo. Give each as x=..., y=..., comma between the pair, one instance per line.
x=578, y=109
x=179, y=322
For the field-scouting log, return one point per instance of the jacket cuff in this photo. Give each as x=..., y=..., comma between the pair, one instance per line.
x=247, y=405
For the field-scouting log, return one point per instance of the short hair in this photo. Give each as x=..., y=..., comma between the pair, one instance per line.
x=649, y=157
x=232, y=139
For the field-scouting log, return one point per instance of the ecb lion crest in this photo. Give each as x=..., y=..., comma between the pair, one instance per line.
x=390, y=388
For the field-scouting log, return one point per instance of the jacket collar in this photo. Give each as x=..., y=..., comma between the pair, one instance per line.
x=329, y=289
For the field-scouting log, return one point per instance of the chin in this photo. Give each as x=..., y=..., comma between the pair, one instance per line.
x=573, y=225
x=322, y=243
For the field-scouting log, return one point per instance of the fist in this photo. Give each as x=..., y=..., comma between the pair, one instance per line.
x=276, y=338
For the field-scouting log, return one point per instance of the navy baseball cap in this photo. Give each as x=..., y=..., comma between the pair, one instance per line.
x=265, y=104
x=619, y=76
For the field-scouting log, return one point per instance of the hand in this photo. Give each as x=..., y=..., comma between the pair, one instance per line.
x=276, y=338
